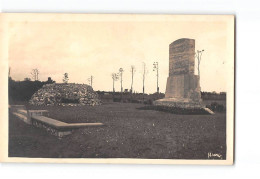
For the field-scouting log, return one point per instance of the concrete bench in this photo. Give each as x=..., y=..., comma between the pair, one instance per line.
x=22, y=114
x=15, y=108
x=58, y=128
x=62, y=125
x=31, y=113
x=37, y=112
x=21, y=117
x=25, y=115
x=39, y=118
x=22, y=111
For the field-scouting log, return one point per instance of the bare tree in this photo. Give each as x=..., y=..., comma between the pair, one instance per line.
x=156, y=68
x=198, y=56
x=121, y=70
x=115, y=77
x=35, y=74
x=132, y=72
x=144, y=72
x=90, y=80
x=65, y=78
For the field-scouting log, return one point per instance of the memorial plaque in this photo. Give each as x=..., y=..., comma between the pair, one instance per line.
x=181, y=56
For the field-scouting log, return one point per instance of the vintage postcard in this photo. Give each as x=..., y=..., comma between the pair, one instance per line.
x=117, y=88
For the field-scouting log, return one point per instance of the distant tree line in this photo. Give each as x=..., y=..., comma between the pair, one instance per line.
x=23, y=90
x=213, y=95
x=127, y=96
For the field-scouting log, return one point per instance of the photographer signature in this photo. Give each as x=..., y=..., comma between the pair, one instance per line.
x=214, y=155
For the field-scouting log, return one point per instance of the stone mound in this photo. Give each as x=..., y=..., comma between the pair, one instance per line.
x=65, y=95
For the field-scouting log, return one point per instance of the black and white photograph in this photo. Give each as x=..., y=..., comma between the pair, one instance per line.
x=119, y=88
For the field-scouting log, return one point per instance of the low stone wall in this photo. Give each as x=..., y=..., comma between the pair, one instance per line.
x=31, y=113
x=51, y=130
x=38, y=118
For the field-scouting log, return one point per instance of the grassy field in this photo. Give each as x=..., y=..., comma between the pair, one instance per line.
x=128, y=133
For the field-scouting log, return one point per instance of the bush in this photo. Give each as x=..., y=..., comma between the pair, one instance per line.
x=214, y=106
x=149, y=101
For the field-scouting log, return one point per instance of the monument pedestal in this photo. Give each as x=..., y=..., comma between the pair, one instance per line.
x=183, y=86
x=182, y=91
x=179, y=103
x=181, y=106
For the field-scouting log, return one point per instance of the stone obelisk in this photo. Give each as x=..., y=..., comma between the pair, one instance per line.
x=183, y=86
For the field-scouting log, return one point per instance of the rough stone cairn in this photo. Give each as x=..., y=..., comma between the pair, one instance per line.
x=65, y=95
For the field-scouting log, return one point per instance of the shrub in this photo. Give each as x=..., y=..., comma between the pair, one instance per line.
x=214, y=106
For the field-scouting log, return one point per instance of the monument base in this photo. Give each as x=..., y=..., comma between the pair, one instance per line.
x=178, y=102
x=182, y=103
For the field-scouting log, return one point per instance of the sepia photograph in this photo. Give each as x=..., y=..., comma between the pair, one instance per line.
x=118, y=88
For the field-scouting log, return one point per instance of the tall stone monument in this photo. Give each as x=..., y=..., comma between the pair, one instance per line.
x=183, y=86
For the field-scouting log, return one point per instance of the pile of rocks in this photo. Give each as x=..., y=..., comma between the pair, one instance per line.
x=66, y=95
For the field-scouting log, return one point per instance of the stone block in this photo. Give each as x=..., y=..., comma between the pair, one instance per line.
x=183, y=86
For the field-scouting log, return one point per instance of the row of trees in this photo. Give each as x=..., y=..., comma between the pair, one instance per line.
x=119, y=76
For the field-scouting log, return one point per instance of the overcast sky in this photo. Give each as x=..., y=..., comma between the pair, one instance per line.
x=82, y=49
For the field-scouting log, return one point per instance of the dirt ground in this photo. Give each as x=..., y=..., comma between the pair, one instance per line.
x=128, y=133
